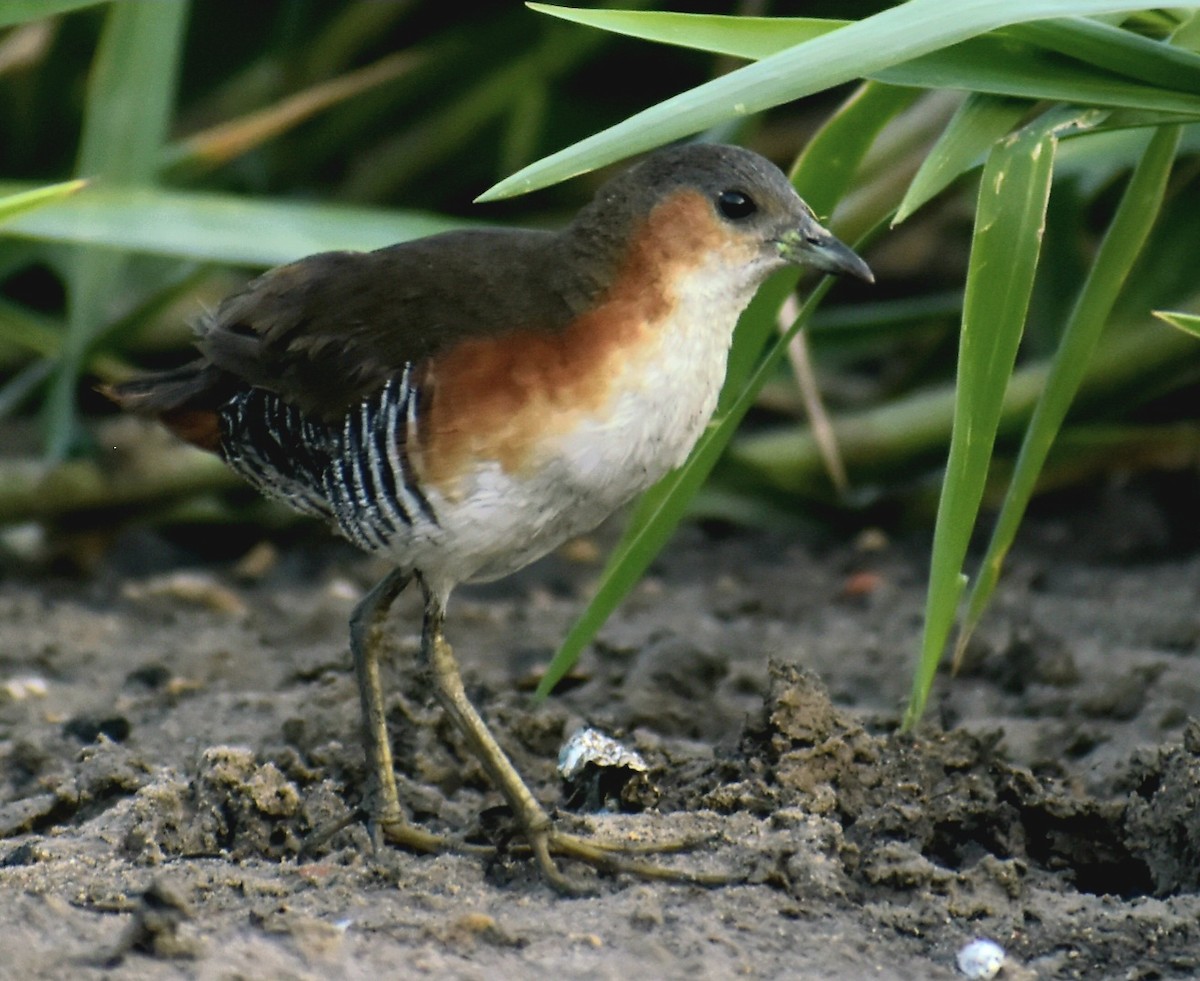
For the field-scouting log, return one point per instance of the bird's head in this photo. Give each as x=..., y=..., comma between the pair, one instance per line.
x=691, y=201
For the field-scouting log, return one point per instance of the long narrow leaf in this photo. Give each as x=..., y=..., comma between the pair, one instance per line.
x=130, y=98
x=442, y=134
x=1122, y=244
x=19, y=202
x=22, y=385
x=737, y=37
x=825, y=169
x=26, y=333
x=20, y=11
x=1004, y=66
x=1009, y=221
x=1189, y=323
x=979, y=122
x=879, y=442
x=1010, y=63
x=888, y=38
x=1116, y=50
x=219, y=144
x=217, y=227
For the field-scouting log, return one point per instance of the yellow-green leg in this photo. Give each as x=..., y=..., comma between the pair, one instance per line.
x=536, y=825
x=382, y=800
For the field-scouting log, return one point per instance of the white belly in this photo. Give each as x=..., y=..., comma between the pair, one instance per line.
x=501, y=521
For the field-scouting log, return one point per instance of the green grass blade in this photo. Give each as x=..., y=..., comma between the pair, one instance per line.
x=1009, y=221
x=20, y=11
x=1119, y=250
x=216, y=227
x=884, y=317
x=130, y=98
x=906, y=433
x=1093, y=451
x=1001, y=65
x=22, y=385
x=822, y=175
x=26, y=332
x=19, y=202
x=1115, y=50
x=177, y=286
x=525, y=126
x=825, y=171
x=217, y=145
x=979, y=122
x=435, y=140
x=1187, y=34
x=737, y=37
x=1189, y=323
x=891, y=37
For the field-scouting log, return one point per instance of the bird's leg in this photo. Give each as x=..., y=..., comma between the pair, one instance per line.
x=439, y=657
x=366, y=642
x=536, y=825
x=366, y=645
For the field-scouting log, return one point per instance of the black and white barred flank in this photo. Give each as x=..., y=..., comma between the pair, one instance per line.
x=357, y=474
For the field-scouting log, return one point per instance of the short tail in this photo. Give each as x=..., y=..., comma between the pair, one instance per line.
x=189, y=386
x=185, y=400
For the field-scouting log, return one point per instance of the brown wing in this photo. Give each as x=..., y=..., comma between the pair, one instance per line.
x=327, y=330
x=330, y=329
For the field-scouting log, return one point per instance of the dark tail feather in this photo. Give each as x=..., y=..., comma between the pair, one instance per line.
x=190, y=386
x=185, y=400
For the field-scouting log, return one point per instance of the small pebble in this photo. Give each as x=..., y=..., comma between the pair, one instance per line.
x=582, y=551
x=871, y=540
x=258, y=562
x=342, y=589
x=981, y=959
x=194, y=588
x=24, y=541
x=23, y=687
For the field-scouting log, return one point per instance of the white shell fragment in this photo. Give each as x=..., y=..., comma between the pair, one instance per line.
x=981, y=959
x=599, y=774
x=593, y=746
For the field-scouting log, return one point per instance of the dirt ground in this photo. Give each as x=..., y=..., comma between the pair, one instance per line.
x=174, y=725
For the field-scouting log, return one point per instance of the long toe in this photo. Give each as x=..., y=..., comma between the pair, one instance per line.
x=397, y=833
x=615, y=857
x=621, y=857
x=401, y=834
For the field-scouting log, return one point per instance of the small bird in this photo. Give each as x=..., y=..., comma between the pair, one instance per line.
x=465, y=403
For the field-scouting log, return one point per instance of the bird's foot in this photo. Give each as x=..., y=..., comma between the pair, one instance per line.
x=400, y=834
x=396, y=832
x=547, y=843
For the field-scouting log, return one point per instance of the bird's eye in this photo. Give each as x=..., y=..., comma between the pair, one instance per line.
x=735, y=205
